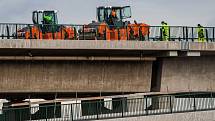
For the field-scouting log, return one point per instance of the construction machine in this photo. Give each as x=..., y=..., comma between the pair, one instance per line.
x=45, y=26
x=111, y=25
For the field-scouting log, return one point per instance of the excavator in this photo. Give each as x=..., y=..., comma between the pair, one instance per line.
x=45, y=26
x=110, y=27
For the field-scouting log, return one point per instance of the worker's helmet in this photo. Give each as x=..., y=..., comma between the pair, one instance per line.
x=163, y=22
x=199, y=25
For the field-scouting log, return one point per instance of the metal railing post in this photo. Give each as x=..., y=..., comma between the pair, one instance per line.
x=122, y=107
x=183, y=33
x=75, y=34
x=206, y=32
x=83, y=33
x=97, y=112
x=71, y=112
x=194, y=103
x=16, y=32
x=46, y=113
x=187, y=34
x=169, y=34
x=61, y=33
x=20, y=117
x=29, y=26
x=170, y=103
x=8, y=32
x=192, y=34
x=161, y=35
x=148, y=33
x=146, y=106
x=213, y=33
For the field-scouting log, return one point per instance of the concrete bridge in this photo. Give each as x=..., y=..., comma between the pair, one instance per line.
x=94, y=66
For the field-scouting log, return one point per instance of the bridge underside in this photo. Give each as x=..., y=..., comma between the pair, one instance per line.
x=74, y=76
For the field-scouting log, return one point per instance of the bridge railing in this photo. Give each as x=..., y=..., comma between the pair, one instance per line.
x=111, y=108
x=99, y=32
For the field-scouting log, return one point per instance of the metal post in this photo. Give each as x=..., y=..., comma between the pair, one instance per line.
x=72, y=112
x=83, y=33
x=146, y=106
x=194, y=103
x=97, y=112
x=20, y=116
x=169, y=34
x=211, y=100
x=8, y=32
x=61, y=33
x=75, y=34
x=187, y=34
x=46, y=113
x=183, y=33
x=16, y=32
x=213, y=33
x=30, y=32
x=55, y=105
x=170, y=103
x=122, y=107
x=206, y=32
x=192, y=34
x=29, y=107
x=161, y=35
x=148, y=33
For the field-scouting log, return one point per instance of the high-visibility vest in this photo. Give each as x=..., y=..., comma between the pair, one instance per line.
x=165, y=29
x=47, y=18
x=201, y=32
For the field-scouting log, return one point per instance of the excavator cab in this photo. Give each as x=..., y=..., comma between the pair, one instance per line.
x=104, y=14
x=47, y=20
x=40, y=15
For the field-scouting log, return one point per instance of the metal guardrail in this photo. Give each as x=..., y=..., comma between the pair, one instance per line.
x=90, y=32
x=114, y=108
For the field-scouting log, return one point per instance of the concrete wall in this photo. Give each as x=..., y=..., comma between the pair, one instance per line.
x=72, y=76
x=188, y=74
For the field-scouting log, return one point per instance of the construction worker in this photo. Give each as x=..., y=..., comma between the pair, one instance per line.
x=47, y=19
x=112, y=17
x=165, y=31
x=201, y=36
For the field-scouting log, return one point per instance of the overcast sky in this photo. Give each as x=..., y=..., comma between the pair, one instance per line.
x=175, y=12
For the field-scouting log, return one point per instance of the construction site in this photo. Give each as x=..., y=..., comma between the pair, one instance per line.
x=111, y=69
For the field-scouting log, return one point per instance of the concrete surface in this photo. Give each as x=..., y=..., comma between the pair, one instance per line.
x=188, y=74
x=103, y=44
x=88, y=44
x=192, y=116
x=75, y=76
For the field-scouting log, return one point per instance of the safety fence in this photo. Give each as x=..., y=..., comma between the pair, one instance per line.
x=103, y=32
x=111, y=108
